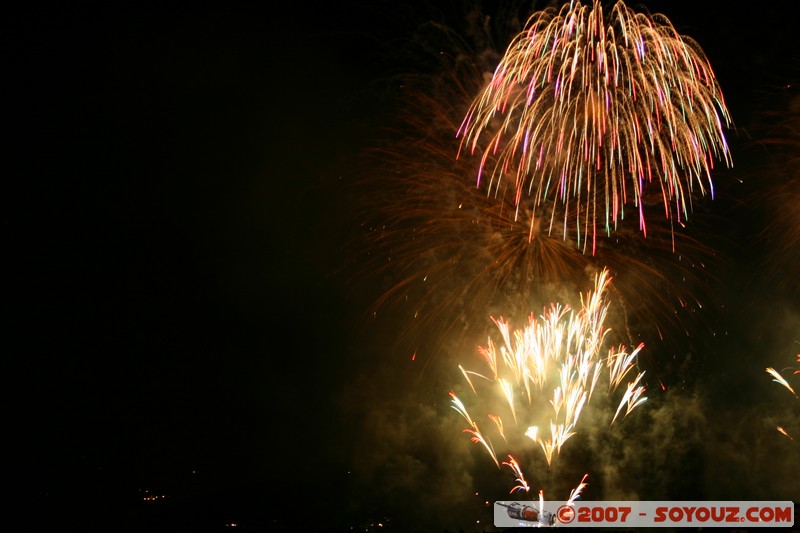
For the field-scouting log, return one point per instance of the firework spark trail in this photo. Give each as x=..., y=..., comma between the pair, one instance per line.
x=521, y=483
x=780, y=379
x=619, y=363
x=573, y=495
x=588, y=111
x=576, y=492
x=477, y=436
x=553, y=365
x=783, y=431
x=632, y=397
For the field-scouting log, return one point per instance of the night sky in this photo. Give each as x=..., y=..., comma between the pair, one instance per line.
x=182, y=324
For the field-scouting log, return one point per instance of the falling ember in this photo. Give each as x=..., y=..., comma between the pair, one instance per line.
x=521, y=483
x=779, y=379
x=477, y=436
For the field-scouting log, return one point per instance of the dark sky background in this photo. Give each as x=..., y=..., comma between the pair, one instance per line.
x=177, y=326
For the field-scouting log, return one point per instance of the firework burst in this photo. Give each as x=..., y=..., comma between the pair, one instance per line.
x=447, y=253
x=587, y=114
x=545, y=375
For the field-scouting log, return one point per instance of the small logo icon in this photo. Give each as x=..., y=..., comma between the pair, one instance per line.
x=565, y=514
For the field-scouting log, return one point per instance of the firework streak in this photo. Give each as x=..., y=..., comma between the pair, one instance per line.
x=779, y=379
x=550, y=368
x=587, y=114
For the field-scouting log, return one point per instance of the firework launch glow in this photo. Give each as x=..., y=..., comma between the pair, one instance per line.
x=588, y=113
x=546, y=373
